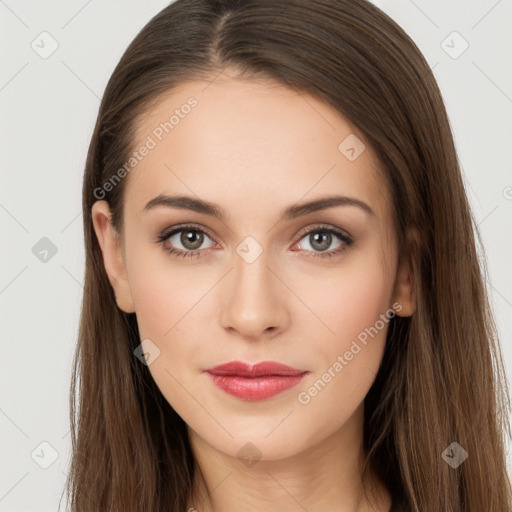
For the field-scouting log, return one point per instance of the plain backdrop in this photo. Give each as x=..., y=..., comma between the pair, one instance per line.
x=48, y=106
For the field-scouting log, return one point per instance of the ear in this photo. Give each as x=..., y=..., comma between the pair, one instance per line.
x=113, y=257
x=403, y=294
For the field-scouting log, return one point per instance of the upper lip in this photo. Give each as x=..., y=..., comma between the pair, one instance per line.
x=264, y=368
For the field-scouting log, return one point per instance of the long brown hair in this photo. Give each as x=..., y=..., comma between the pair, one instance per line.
x=441, y=379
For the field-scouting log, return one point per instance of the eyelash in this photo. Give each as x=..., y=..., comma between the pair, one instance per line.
x=163, y=238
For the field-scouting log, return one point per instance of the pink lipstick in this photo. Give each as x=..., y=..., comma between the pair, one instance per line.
x=254, y=382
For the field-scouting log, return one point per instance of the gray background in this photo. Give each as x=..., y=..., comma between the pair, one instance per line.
x=48, y=108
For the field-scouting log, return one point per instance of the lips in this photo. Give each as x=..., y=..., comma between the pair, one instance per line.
x=255, y=381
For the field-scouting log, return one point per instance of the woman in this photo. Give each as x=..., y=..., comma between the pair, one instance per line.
x=283, y=305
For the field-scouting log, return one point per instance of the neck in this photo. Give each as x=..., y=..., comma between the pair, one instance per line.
x=326, y=476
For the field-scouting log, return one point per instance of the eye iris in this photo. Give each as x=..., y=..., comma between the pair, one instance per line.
x=325, y=240
x=191, y=239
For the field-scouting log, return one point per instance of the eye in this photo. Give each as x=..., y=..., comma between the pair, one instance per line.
x=191, y=238
x=321, y=238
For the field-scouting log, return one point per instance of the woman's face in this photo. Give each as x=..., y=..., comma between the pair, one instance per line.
x=313, y=289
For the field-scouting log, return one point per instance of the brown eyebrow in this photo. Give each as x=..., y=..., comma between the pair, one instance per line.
x=292, y=212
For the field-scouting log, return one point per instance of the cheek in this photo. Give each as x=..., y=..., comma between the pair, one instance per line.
x=348, y=299
x=164, y=293
x=355, y=307
x=168, y=307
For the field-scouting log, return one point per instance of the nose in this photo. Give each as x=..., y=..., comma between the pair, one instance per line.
x=253, y=300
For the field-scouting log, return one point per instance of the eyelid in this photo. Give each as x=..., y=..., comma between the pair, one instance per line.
x=327, y=227
x=343, y=235
x=300, y=234
x=182, y=227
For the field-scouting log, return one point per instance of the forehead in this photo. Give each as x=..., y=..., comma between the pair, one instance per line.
x=253, y=143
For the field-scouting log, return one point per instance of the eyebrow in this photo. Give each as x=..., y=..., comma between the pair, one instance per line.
x=291, y=212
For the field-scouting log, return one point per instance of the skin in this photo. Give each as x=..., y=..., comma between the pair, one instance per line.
x=254, y=148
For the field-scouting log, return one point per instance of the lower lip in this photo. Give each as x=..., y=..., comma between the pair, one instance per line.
x=255, y=388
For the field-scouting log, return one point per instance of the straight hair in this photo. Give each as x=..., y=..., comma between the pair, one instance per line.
x=442, y=377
